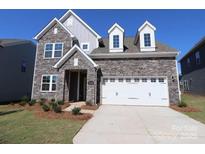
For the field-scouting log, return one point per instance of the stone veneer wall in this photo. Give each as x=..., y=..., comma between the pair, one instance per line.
x=143, y=67
x=44, y=66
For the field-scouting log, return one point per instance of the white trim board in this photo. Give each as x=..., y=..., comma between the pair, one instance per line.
x=77, y=17
x=69, y=53
x=116, y=25
x=147, y=23
x=46, y=28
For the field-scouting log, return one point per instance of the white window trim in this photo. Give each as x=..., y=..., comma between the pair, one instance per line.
x=85, y=43
x=50, y=84
x=53, y=50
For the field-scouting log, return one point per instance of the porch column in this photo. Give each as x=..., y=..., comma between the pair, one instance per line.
x=60, y=85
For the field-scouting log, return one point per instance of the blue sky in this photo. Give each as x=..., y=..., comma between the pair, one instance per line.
x=180, y=29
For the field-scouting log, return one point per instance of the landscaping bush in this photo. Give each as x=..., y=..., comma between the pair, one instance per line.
x=76, y=111
x=25, y=99
x=56, y=107
x=182, y=104
x=22, y=103
x=89, y=103
x=53, y=100
x=42, y=101
x=32, y=102
x=45, y=107
x=60, y=102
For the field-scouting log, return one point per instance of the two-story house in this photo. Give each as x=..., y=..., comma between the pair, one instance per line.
x=74, y=63
x=193, y=69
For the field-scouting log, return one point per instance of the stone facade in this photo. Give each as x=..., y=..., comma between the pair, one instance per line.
x=45, y=66
x=143, y=67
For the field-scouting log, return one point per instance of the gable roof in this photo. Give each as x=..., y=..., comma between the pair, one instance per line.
x=198, y=44
x=147, y=23
x=70, y=12
x=45, y=29
x=69, y=53
x=116, y=25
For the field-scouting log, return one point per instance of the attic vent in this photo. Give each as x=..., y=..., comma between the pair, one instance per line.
x=55, y=31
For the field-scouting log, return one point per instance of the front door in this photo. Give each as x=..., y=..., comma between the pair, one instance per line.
x=73, y=92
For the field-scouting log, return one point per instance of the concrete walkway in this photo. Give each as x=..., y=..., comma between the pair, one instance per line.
x=78, y=104
x=134, y=124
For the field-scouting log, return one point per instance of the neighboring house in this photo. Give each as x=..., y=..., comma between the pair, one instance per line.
x=16, y=68
x=74, y=63
x=193, y=69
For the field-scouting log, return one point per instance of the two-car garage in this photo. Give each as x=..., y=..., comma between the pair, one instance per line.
x=152, y=91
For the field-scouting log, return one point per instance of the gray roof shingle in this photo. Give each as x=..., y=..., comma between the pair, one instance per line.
x=130, y=47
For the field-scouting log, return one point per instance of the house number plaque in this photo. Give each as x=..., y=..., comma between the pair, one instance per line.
x=91, y=82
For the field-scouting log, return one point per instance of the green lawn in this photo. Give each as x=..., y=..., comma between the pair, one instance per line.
x=197, y=102
x=23, y=127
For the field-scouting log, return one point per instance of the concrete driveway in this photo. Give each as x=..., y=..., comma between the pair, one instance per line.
x=134, y=124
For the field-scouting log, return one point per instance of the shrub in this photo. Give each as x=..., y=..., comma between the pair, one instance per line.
x=53, y=100
x=76, y=111
x=60, y=102
x=45, y=107
x=22, y=103
x=42, y=101
x=182, y=104
x=32, y=102
x=56, y=107
x=89, y=103
x=25, y=99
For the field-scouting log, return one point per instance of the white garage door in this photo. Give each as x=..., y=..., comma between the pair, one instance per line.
x=151, y=91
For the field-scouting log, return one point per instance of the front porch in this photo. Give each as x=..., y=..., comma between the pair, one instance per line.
x=75, y=88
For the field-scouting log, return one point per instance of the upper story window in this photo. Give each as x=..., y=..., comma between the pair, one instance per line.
x=116, y=41
x=53, y=50
x=197, y=56
x=147, y=40
x=85, y=46
x=188, y=61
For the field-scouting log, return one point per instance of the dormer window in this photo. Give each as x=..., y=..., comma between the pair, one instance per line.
x=116, y=37
x=116, y=43
x=147, y=40
x=146, y=35
x=85, y=46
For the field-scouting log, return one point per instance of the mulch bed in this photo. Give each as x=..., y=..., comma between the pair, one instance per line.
x=90, y=107
x=185, y=109
x=38, y=111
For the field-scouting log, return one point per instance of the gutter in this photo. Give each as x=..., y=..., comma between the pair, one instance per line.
x=134, y=55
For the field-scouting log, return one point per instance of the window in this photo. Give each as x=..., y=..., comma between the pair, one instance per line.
x=112, y=80
x=188, y=62
x=144, y=80
x=197, y=56
x=153, y=79
x=136, y=79
x=116, y=43
x=23, y=66
x=58, y=50
x=120, y=79
x=161, y=80
x=48, y=50
x=128, y=80
x=147, y=40
x=53, y=50
x=49, y=83
x=85, y=46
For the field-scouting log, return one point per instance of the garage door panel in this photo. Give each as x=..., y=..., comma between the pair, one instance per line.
x=129, y=92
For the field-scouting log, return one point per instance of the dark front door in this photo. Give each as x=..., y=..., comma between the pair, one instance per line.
x=73, y=93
